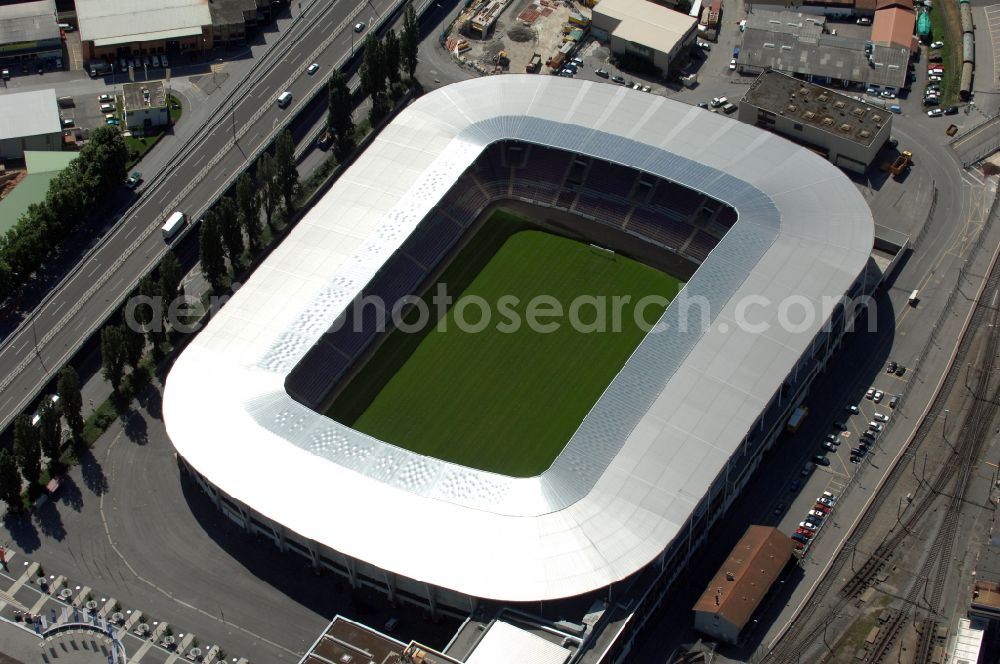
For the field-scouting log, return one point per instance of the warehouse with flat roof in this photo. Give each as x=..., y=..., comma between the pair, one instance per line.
x=643, y=29
x=29, y=30
x=121, y=28
x=848, y=132
x=29, y=121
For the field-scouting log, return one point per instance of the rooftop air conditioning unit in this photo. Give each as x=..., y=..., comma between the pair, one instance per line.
x=846, y=128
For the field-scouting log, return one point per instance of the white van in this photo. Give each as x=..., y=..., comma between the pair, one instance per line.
x=174, y=223
x=284, y=99
x=914, y=298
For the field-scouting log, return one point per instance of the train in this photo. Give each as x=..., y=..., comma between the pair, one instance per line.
x=968, y=50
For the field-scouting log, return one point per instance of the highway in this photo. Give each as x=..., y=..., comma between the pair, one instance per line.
x=201, y=171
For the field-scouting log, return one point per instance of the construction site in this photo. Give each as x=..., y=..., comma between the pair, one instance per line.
x=533, y=36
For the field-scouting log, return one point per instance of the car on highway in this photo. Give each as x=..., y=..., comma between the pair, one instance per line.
x=133, y=180
x=881, y=417
x=870, y=394
x=821, y=460
x=937, y=44
x=894, y=401
x=313, y=68
x=358, y=27
x=284, y=99
x=603, y=73
x=935, y=113
x=807, y=525
x=618, y=79
x=877, y=397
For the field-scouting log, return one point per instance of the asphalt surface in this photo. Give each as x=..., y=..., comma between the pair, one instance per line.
x=201, y=171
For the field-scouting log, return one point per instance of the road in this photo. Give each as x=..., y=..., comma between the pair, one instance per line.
x=203, y=170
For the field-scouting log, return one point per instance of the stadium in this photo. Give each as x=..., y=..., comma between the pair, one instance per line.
x=507, y=183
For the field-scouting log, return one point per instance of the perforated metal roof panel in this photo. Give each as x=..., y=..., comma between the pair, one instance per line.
x=654, y=442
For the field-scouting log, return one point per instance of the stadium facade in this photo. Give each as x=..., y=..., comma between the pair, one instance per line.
x=666, y=448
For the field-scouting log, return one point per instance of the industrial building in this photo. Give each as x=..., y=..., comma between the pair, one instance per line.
x=42, y=168
x=643, y=29
x=29, y=121
x=29, y=31
x=894, y=24
x=145, y=105
x=831, y=8
x=738, y=588
x=664, y=451
x=114, y=30
x=848, y=132
x=799, y=44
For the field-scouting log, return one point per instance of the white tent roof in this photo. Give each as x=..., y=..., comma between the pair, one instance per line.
x=647, y=453
x=29, y=114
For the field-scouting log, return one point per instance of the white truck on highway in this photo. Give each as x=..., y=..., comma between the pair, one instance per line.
x=173, y=224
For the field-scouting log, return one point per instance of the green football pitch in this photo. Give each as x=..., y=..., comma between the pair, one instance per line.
x=504, y=397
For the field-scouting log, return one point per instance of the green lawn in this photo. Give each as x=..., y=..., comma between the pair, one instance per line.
x=503, y=401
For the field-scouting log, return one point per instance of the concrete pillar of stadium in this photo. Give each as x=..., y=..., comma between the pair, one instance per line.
x=432, y=600
x=390, y=585
x=313, y=554
x=279, y=538
x=352, y=571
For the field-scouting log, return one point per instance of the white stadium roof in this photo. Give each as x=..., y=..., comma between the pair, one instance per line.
x=651, y=447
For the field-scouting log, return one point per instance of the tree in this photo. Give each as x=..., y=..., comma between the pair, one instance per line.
x=286, y=171
x=392, y=56
x=135, y=346
x=267, y=176
x=170, y=284
x=10, y=482
x=248, y=209
x=50, y=432
x=149, y=290
x=381, y=105
x=211, y=252
x=71, y=401
x=26, y=449
x=409, y=42
x=113, y=354
x=229, y=226
x=373, y=66
x=340, y=118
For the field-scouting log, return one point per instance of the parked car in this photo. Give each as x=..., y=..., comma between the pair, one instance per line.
x=935, y=113
x=814, y=520
x=830, y=447
x=934, y=78
x=732, y=65
x=646, y=88
x=806, y=469
x=705, y=46
x=156, y=61
x=888, y=94
x=794, y=486
x=894, y=401
x=951, y=110
x=805, y=532
x=800, y=539
x=830, y=496
x=893, y=143
x=935, y=57
x=5, y=74
x=817, y=514
x=852, y=409
x=900, y=370
x=881, y=417
x=864, y=21
x=833, y=438
x=855, y=459
x=932, y=101
x=807, y=525
x=875, y=426
x=826, y=502
x=313, y=68
x=779, y=509
x=842, y=426
x=719, y=101
x=859, y=451
x=67, y=122
x=617, y=79
x=878, y=396
x=937, y=44
x=105, y=98
x=820, y=507
x=603, y=73
x=133, y=180
x=889, y=368
x=702, y=104
x=870, y=394
x=821, y=460
x=163, y=61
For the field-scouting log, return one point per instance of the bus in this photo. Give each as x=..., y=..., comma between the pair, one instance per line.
x=174, y=223
x=795, y=421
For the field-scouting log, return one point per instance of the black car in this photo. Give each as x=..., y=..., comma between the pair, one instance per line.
x=859, y=451
x=951, y=110
x=821, y=460
x=855, y=459
x=891, y=367
x=800, y=538
x=893, y=143
x=900, y=370
x=617, y=79
x=702, y=104
x=603, y=73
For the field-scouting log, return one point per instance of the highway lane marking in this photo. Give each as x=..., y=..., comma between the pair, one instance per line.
x=58, y=307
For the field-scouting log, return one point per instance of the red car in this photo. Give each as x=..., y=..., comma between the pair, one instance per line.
x=799, y=546
x=805, y=531
x=820, y=507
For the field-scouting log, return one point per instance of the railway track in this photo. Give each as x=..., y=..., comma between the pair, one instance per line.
x=956, y=472
x=927, y=641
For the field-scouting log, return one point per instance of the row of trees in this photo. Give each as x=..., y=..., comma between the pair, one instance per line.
x=232, y=226
x=44, y=439
x=98, y=169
